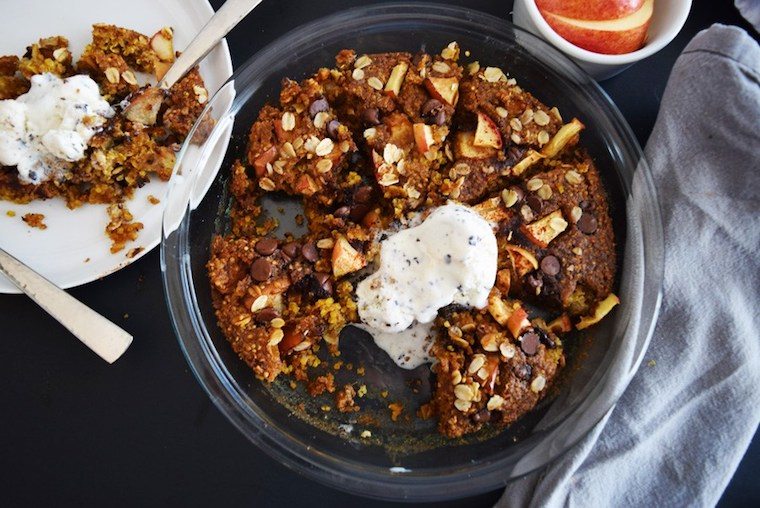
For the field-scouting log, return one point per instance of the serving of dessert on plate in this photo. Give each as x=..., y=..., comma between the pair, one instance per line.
x=93, y=131
x=448, y=212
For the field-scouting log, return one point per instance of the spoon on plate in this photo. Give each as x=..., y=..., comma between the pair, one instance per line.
x=98, y=333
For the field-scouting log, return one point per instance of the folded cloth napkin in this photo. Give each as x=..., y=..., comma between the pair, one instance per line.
x=680, y=429
x=750, y=9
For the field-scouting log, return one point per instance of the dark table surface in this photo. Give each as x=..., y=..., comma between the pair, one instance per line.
x=78, y=431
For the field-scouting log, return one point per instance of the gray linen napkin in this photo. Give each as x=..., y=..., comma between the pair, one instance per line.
x=679, y=431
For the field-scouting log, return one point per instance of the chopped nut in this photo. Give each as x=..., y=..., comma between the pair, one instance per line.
x=509, y=196
x=129, y=77
x=324, y=166
x=266, y=184
x=325, y=243
x=463, y=392
x=451, y=52
x=441, y=67
x=288, y=121
x=375, y=83
x=202, y=94
x=365, y=434
x=558, y=224
x=541, y=118
x=320, y=119
x=507, y=350
x=324, y=147
x=60, y=54
x=112, y=75
x=473, y=68
x=495, y=402
x=477, y=362
x=527, y=116
x=302, y=345
x=276, y=337
x=493, y=74
x=259, y=303
x=362, y=62
x=489, y=342
x=573, y=177
x=462, y=405
x=370, y=133
x=538, y=384
x=544, y=192
x=575, y=213
x=534, y=184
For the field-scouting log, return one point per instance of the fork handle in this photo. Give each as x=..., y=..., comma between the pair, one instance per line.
x=99, y=334
x=220, y=24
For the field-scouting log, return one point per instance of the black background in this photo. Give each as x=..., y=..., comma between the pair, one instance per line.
x=77, y=431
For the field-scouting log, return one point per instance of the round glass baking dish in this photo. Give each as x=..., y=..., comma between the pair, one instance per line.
x=198, y=204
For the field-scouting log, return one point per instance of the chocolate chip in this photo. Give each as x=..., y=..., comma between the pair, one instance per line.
x=482, y=416
x=310, y=252
x=358, y=212
x=440, y=118
x=332, y=129
x=529, y=343
x=318, y=106
x=324, y=282
x=514, y=155
x=266, y=246
x=550, y=265
x=534, y=281
x=266, y=315
x=363, y=194
x=431, y=107
x=291, y=249
x=342, y=212
x=535, y=203
x=261, y=270
x=546, y=338
x=587, y=223
x=371, y=116
x=523, y=371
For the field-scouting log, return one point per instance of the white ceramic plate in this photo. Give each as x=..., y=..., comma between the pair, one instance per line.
x=74, y=248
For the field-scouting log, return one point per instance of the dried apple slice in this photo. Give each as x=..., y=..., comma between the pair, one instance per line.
x=261, y=161
x=346, y=259
x=492, y=210
x=305, y=185
x=163, y=44
x=518, y=322
x=523, y=261
x=144, y=105
x=545, y=229
x=486, y=133
x=423, y=136
x=602, y=309
x=561, y=324
x=563, y=136
x=465, y=148
x=443, y=89
x=530, y=158
x=396, y=79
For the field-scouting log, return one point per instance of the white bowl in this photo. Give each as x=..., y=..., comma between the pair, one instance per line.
x=667, y=20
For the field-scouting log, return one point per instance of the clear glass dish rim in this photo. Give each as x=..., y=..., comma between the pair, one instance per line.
x=208, y=367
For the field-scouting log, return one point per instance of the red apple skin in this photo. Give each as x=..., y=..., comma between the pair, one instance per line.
x=601, y=41
x=591, y=10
